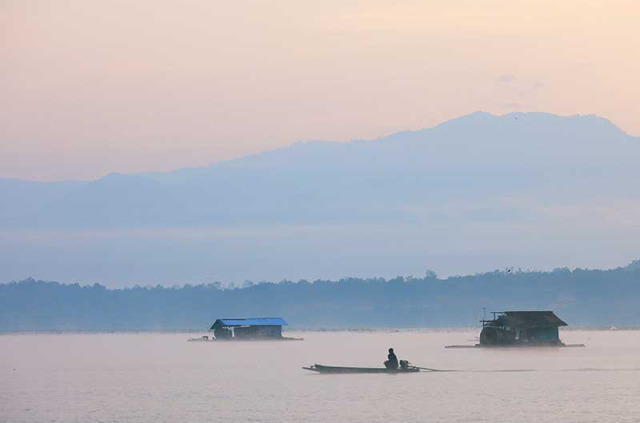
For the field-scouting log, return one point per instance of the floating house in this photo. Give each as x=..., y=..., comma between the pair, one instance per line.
x=252, y=328
x=521, y=328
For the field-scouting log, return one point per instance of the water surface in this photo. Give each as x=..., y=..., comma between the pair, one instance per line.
x=161, y=378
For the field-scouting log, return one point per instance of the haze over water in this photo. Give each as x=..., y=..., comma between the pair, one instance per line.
x=158, y=377
x=154, y=152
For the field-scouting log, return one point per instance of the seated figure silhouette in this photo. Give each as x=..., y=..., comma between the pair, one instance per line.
x=392, y=362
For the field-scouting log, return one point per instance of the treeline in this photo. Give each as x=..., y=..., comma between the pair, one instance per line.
x=583, y=298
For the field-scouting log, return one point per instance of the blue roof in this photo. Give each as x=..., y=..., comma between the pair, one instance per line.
x=254, y=321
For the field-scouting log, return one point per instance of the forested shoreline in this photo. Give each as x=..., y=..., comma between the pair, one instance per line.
x=583, y=298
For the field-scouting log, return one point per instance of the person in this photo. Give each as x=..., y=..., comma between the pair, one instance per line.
x=392, y=362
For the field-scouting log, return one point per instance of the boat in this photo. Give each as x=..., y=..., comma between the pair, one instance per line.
x=336, y=370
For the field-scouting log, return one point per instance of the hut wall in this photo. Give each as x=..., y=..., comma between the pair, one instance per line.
x=544, y=334
x=258, y=332
x=222, y=333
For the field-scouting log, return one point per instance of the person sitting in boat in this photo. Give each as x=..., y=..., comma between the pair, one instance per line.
x=392, y=362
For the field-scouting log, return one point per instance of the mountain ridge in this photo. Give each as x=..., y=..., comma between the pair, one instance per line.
x=473, y=117
x=526, y=189
x=480, y=141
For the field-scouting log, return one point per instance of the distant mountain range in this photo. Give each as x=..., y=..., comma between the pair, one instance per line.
x=525, y=175
x=472, y=157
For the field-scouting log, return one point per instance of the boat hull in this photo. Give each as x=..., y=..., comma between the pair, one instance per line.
x=351, y=370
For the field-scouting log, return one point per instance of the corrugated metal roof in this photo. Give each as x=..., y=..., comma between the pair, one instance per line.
x=253, y=321
x=532, y=319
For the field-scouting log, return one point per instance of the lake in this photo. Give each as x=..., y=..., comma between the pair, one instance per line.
x=159, y=377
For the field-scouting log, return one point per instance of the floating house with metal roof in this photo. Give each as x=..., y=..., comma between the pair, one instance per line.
x=521, y=329
x=251, y=328
x=255, y=328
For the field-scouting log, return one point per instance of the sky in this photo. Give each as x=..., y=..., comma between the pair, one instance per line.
x=92, y=87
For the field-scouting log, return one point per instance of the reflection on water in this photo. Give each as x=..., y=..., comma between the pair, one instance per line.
x=163, y=378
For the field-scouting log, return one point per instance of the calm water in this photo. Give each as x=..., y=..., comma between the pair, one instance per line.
x=162, y=378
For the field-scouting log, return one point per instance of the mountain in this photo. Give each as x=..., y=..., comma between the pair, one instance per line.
x=531, y=172
x=474, y=156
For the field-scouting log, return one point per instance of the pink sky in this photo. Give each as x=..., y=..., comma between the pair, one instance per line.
x=91, y=87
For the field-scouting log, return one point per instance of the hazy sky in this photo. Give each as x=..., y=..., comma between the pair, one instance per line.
x=91, y=87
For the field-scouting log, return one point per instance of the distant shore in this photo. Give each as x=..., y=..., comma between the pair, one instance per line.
x=301, y=330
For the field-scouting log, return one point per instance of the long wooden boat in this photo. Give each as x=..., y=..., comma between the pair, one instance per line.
x=334, y=369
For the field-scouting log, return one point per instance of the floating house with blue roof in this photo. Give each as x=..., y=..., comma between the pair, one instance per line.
x=250, y=328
